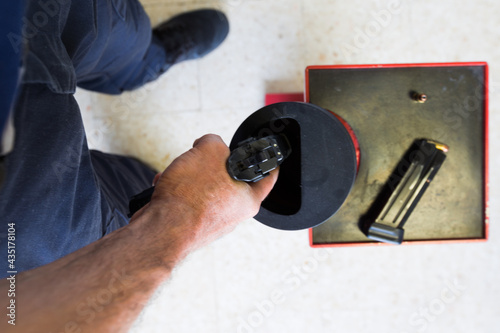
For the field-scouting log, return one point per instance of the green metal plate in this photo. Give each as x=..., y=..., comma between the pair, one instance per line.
x=377, y=104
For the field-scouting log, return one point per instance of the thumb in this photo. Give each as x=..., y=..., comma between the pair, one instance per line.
x=262, y=188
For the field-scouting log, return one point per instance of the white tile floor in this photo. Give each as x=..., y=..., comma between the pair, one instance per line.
x=262, y=280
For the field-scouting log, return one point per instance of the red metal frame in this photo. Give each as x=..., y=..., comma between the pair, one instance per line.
x=485, y=152
x=272, y=98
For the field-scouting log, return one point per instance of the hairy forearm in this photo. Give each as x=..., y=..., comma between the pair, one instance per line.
x=104, y=286
x=101, y=287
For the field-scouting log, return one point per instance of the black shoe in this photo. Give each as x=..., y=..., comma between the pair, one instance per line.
x=192, y=35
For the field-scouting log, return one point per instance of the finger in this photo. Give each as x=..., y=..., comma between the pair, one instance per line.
x=157, y=177
x=213, y=146
x=262, y=188
x=207, y=138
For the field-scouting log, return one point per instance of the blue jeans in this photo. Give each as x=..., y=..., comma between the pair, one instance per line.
x=59, y=195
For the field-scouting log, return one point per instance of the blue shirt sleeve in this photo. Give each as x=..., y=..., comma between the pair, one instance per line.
x=11, y=12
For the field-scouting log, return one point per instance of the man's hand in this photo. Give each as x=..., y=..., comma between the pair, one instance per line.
x=104, y=286
x=198, y=183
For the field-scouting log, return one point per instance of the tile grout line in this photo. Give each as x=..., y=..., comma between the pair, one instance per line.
x=198, y=78
x=215, y=290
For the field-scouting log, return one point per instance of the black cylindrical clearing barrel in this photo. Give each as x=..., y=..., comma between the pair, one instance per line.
x=316, y=178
